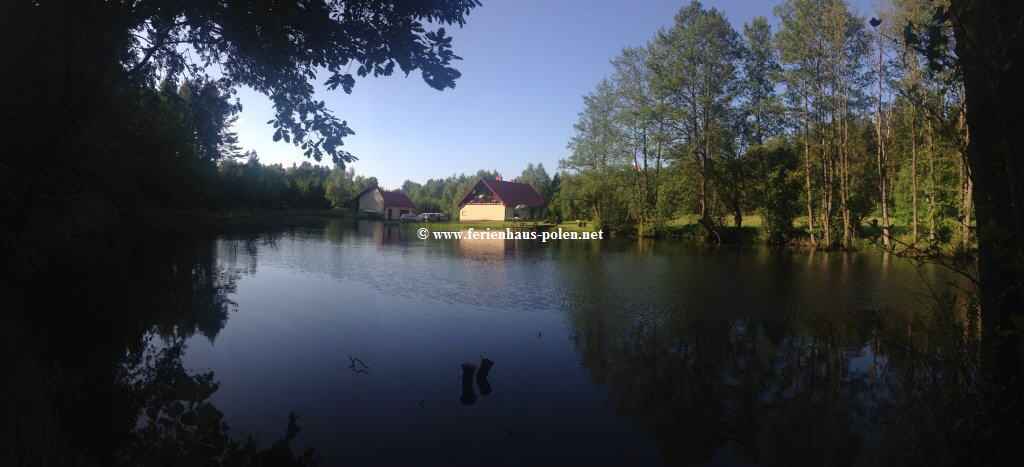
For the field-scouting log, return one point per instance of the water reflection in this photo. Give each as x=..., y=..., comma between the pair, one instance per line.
x=705, y=386
x=93, y=371
x=470, y=374
x=186, y=349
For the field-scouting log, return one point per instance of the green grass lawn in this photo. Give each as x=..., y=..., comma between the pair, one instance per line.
x=749, y=220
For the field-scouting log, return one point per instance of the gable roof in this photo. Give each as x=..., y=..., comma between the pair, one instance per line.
x=509, y=193
x=395, y=199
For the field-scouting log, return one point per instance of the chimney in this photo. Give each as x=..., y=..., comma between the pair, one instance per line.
x=498, y=178
x=515, y=180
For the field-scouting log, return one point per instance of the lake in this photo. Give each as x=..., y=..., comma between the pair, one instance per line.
x=614, y=352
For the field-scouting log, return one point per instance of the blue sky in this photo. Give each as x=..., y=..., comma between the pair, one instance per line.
x=526, y=65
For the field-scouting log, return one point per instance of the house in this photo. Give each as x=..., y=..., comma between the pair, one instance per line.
x=493, y=199
x=387, y=204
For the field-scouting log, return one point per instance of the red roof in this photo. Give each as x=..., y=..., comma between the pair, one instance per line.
x=509, y=193
x=396, y=199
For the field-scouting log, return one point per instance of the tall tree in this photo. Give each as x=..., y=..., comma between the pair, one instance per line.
x=762, y=113
x=640, y=114
x=597, y=148
x=537, y=177
x=759, y=113
x=989, y=45
x=695, y=68
x=882, y=119
x=802, y=70
x=823, y=46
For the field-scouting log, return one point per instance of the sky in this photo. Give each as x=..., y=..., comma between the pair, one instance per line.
x=525, y=66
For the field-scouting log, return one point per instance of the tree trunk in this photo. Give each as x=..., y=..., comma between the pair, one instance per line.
x=965, y=240
x=882, y=157
x=913, y=172
x=882, y=176
x=989, y=46
x=848, y=228
x=844, y=185
x=826, y=206
x=931, y=176
x=703, y=193
x=807, y=174
x=966, y=186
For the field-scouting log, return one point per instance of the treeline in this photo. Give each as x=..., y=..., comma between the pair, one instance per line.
x=443, y=194
x=821, y=126
x=246, y=183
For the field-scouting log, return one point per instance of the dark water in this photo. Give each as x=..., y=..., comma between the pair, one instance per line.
x=605, y=352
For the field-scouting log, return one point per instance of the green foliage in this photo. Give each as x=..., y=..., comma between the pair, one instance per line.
x=537, y=177
x=443, y=194
x=761, y=105
x=123, y=106
x=778, y=187
x=343, y=186
x=254, y=185
x=676, y=129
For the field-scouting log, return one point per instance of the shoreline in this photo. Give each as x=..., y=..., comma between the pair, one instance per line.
x=159, y=221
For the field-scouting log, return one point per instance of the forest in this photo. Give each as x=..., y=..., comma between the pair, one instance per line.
x=830, y=126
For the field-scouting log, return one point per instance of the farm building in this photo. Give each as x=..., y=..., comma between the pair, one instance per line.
x=387, y=204
x=493, y=199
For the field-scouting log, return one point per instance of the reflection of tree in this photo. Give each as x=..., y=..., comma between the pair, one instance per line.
x=90, y=360
x=179, y=425
x=698, y=384
x=773, y=357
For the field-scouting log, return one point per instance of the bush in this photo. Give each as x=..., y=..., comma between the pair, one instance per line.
x=778, y=188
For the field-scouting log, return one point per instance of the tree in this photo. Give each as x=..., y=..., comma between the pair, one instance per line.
x=640, y=113
x=83, y=62
x=883, y=118
x=594, y=166
x=340, y=186
x=762, y=114
x=988, y=45
x=823, y=46
x=538, y=178
x=777, y=187
x=695, y=69
x=759, y=114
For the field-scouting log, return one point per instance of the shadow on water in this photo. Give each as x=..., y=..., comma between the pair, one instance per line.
x=91, y=366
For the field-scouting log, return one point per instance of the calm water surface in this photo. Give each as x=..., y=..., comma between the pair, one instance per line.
x=613, y=352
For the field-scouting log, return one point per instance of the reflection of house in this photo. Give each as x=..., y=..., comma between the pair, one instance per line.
x=484, y=248
x=387, y=204
x=384, y=233
x=492, y=199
